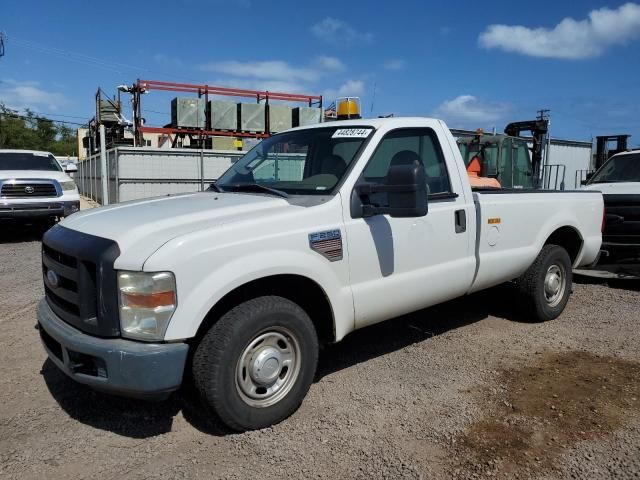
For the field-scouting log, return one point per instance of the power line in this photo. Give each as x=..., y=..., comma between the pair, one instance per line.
x=74, y=56
x=24, y=117
x=59, y=115
x=86, y=59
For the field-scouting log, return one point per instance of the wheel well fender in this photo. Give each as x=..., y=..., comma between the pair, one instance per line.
x=308, y=294
x=568, y=238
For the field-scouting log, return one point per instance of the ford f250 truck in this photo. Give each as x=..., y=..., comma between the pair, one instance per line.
x=316, y=232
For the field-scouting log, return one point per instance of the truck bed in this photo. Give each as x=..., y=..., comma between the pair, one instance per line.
x=506, y=220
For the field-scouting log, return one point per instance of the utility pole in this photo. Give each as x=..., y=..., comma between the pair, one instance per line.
x=3, y=37
x=543, y=114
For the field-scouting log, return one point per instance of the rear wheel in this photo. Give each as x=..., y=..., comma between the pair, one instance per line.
x=545, y=287
x=254, y=366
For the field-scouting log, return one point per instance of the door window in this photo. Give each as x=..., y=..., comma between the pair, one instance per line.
x=522, y=174
x=404, y=147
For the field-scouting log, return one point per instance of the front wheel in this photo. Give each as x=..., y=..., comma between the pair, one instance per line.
x=546, y=285
x=255, y=365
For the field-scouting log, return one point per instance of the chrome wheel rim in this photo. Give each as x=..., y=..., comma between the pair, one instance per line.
x=268, y=367
x=555, y=281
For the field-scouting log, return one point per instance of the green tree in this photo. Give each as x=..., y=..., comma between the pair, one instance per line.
x=33, y=132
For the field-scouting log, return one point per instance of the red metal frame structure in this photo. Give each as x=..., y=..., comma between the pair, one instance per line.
x=143, y=86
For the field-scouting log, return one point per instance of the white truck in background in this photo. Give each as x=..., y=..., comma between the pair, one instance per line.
x=316, y=232
x=34, y=186
x=619, y=181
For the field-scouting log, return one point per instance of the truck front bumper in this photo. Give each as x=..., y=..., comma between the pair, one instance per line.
x=39, y=209
x=113, y=365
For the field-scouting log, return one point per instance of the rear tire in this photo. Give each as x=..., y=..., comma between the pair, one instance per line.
x=255, y=365
x=546, y=285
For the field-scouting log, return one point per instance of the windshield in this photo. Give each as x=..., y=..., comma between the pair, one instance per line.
x=619, y=168
x=310, y=161
x=28, y=161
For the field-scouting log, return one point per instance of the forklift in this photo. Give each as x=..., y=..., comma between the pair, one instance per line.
x=506, y=160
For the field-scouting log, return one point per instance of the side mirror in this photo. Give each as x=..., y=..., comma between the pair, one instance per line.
x=407, y=196
x=71, y=168
x=588, y=177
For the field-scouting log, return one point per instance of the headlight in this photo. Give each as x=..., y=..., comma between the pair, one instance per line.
x=68, y=185
x=147, y=301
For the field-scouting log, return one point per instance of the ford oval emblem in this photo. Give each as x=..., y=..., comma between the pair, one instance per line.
x=53, y=279
x=29, y=189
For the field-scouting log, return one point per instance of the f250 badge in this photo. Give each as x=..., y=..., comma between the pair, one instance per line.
x=327, y=243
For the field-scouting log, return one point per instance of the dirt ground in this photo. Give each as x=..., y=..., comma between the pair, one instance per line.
x=462, y=390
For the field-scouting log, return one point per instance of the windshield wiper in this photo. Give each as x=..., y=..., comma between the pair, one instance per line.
x=256, y=186
x=214, y=188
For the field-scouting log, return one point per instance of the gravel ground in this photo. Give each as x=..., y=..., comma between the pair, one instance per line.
x=462, y=390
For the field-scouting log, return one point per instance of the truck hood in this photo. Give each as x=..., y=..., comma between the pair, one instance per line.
x=141, y=227
x=616, y=188
x=33, y=174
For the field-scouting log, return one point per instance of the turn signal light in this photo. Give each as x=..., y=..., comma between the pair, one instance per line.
x=148, y=300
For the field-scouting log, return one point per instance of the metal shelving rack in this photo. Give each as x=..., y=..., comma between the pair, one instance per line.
x=144, y=86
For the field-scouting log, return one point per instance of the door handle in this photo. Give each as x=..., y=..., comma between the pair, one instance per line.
x=461, y=221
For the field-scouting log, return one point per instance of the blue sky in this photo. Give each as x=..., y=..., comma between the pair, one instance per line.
x=475, y=64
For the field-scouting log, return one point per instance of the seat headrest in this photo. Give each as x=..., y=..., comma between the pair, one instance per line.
x=405, y=157
x=333, y=164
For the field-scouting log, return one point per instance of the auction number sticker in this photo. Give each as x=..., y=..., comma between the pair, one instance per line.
x=352, y=133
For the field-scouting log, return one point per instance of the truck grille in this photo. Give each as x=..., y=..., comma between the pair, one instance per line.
x=28, y=190
x=66, y=280
x=622, y=219
x=79, y=280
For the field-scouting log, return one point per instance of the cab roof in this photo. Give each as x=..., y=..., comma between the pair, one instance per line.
x=388, y=122
x=19, y=150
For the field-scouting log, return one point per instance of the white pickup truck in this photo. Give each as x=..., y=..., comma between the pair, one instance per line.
x=34, y=186
x=316, y=232
x=619, y=181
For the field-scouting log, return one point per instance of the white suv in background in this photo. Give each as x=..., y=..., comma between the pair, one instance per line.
x=33, y=185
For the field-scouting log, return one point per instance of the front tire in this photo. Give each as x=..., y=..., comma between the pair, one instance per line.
x=545, y=287
x=255, y=365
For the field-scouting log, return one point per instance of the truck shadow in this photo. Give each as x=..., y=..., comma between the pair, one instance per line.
x=615, y=283
x=13, y=232
x=400, y=332
x=143, y=419
x=124, y=416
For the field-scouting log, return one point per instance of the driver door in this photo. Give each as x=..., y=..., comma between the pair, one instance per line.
x=399, y=265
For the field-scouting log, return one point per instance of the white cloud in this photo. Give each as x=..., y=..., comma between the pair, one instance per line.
x=469, y=111
x=330, y=64
x=394, y=64
x=282, y=86
x=167, y=61
x=21, y=95
x=276, y=75
x=339, y=33
x=569, y=39
x=282, y=76
x=269, y=69
x=351, y=88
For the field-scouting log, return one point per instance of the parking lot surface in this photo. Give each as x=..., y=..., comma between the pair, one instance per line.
x=462, y=390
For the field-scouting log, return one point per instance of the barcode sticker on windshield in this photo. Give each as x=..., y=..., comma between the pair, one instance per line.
x=40, y=154
x=351, y=133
